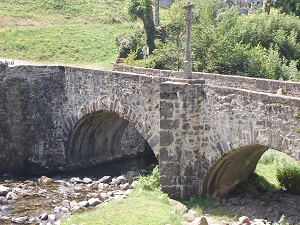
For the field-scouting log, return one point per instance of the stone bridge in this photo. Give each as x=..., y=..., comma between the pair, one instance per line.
x=207, y=132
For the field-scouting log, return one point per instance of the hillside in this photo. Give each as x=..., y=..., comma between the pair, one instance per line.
x=74, y=32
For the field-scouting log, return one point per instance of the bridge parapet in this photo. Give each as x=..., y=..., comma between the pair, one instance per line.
x=248, y=83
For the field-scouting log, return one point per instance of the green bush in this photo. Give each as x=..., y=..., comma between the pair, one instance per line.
x=131, y=43
x=281, y=221
x=150, y=182
x=288, y=176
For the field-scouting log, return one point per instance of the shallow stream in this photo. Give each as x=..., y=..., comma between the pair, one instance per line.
x=29, y=197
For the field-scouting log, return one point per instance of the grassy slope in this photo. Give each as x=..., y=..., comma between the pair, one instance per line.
x=77, y=32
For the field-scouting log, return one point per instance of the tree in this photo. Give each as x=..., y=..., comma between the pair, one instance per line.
x=287, y=6
x=143, y=9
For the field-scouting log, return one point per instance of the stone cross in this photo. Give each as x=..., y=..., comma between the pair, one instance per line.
x=187, y=64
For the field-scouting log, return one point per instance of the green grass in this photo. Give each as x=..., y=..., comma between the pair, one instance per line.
x=204, y=205
x=268, y=164
x=141, y=207
x=72, y=32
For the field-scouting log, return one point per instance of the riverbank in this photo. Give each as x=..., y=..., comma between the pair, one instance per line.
x=50, y=200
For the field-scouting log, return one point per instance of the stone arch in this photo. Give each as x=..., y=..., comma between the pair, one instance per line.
x=237, y=159
x=232, y=168
x=95, y=134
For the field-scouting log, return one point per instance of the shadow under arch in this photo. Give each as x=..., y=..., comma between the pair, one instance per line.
x=101, y=137
x=232, y=168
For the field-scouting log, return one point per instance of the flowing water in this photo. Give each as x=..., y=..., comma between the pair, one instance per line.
x=29, y=197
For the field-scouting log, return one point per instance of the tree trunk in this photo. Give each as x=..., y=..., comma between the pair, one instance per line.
x=150, y=29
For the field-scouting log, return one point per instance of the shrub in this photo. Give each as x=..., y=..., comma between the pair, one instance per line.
x=150, y=182
x=288, y=176
x=128, y=44
x=281, y=221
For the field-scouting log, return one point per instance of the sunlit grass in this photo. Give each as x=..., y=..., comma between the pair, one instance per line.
x=141, y=207
x=63, y=31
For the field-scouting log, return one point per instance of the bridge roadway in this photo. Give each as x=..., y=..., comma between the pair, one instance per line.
x=208, y=132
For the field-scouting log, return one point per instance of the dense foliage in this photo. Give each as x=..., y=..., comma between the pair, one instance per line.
x=150, y=182
x=227, y=42
x=287, y=6
x=289, y=177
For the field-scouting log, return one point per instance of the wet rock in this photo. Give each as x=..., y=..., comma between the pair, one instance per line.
x=143, y=172
x=83, y=204
x=244, y=219
x=44, y=216
x=105, y=180
x=216, y=202
x=125, y=186
x=45, y=180
x=128, y=192
x=5, y=208
x=20, y=220
x=224, y=222
x=3, y=190
x=134, y=184
x=51, y=217
x=260, y=222
x=76, y=180
x=200, y=221
x=94, y=201
x=118, y=192
x=151, y=167
x=75, y=208
x=87, y=180
x=178, y=206
x=31, y=183
x=103, y=186
x=131, y=174
x=73, y=204
x=64, y=209
x=103, y=195
x=190, y=216
x=3, y=200
x=234, y=201
x=65, y=203
x=133, y=168
x=121, y=180
x=12, y=196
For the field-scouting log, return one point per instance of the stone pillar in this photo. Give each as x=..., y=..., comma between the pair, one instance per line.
x=157, y=22
x=187, y=64
x=181, y=164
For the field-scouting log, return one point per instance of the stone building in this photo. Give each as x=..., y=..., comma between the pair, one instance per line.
x=165, y=3
x=245, y=3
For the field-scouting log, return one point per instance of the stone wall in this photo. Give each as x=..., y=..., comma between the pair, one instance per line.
x=44, y=112
x=248, y=83
x=30, y=126
x=212, y=136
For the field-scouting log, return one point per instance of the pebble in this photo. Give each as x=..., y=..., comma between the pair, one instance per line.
x=94, y=201
x=3, y=190
x=44, y=216
x=105, y=180
x=244, y=219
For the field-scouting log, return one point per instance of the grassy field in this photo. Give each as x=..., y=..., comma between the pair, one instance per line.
x=74, y=32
